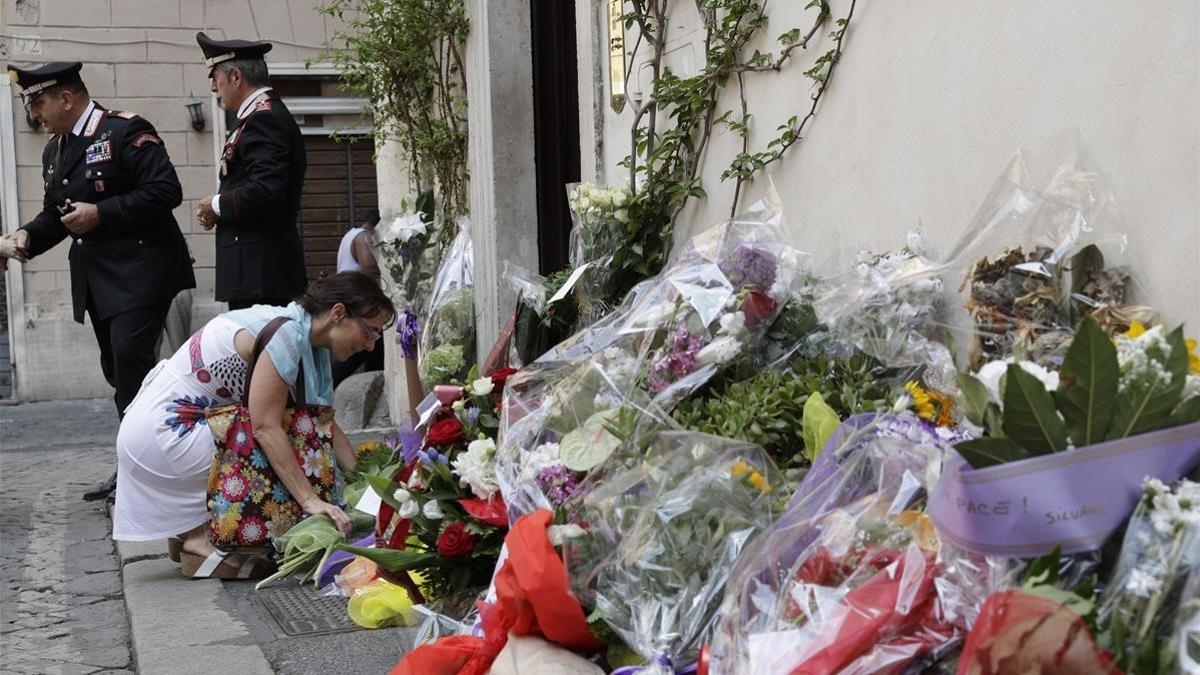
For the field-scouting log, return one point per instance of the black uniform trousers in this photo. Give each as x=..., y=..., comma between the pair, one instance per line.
x=243, y=304
x=128, y=348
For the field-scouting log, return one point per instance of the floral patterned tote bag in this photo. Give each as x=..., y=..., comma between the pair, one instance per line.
x=248, y=505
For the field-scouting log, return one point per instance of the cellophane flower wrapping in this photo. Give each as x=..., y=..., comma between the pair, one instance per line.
x=890, y=306
x=1032, y=261
x=853, y=578
x=447, y=347
x=670, y=335
x=1153, y=590
x=401, y=247
x=599, y=218
x=663, y=531
x=544, y=316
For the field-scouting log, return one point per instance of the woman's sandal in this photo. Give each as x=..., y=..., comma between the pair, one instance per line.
x=174, y=548
x=224, y=565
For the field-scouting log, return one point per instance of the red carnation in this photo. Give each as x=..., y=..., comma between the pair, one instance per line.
x=455, y=541
x=500, y=377
x=445, y=431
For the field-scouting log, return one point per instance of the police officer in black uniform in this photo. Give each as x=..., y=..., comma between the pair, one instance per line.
x=259, y=255
x=109, y=187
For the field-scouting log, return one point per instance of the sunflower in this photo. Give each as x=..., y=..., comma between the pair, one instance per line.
x=922, y=401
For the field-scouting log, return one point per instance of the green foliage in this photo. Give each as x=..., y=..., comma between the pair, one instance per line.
x=1030, y=418
x=820, y=421
x=1097, y=400
x=1146, y=403
x=1089, y=384
x=768, y=408
x=671, y=129
x=406, y=56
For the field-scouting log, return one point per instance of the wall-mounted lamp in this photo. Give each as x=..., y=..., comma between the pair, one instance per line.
x=616, y=55
x=196, y=113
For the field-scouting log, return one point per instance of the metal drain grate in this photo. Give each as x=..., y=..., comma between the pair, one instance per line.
x=300, y=611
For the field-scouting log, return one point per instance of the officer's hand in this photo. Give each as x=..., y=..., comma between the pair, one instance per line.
x=83, y=218
x=14, y=246
x=205, y=214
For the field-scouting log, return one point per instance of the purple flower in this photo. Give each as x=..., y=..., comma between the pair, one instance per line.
x=471, y=416
x=676, y=359
x=558, y=483
x=749, y=265
x=408, y=441
x=408, y=332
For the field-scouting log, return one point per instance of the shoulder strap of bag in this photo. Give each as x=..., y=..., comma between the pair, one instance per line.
x=260, y=344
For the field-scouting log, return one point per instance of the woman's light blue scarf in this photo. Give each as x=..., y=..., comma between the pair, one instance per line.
x=290, y=347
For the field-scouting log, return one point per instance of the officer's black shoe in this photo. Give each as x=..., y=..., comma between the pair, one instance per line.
x=102, y=490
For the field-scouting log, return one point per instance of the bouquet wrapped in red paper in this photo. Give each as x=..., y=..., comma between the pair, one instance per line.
x=853, y=578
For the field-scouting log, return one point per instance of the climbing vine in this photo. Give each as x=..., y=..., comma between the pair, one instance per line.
x=406, y=57
x=672, y=126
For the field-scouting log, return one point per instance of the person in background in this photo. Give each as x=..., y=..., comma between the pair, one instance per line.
x=260, y=258
x=110, y=188
x=355, y=255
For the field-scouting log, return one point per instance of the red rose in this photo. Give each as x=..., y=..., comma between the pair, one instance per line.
x=455, y=541
x=445, y=431
x=500, y=377
x=757, y=306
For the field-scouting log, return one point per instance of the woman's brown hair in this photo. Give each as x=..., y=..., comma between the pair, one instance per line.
x=360, y=293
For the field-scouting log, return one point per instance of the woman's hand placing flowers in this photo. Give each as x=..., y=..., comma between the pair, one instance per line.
x=314, y=506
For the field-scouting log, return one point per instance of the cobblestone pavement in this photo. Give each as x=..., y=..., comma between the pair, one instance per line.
x=61, y=605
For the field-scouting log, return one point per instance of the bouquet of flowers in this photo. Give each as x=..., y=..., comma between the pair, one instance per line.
x=661, y=533
x=1143, y=604
x=1121, y=407
x=852, y=578
x=445, y=518
x=599, y=217
x=447, y=347
x=1040, y=627
x=401, y=247
x=889, y=306
x=546, y=315
x=670, y=335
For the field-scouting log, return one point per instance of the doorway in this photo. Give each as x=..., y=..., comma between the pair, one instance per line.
x=555, y=126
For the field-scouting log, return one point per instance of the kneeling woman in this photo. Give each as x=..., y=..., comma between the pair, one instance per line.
x=165, y=448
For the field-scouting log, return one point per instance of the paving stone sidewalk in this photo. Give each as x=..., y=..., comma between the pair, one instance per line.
x=71, y=602
x=61, y=604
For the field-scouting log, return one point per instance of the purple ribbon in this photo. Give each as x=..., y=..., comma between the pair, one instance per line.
x=338, y=561
x=1074, y=499
x=408, y=332
x=657, y=661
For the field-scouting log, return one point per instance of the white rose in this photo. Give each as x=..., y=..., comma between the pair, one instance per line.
x=733, y=323
x=408, y=509
x=990, y=373
x=433, y=510
x=620, y=197
x=622, y=216
x=482, y=387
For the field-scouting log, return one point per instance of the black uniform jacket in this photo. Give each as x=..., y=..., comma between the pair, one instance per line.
x=136, y=257
x=259, y=254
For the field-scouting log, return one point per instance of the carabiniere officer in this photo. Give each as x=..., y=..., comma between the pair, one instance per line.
x=109, y=187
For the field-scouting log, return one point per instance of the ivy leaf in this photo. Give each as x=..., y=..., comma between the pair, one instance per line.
x=984, y=452
x=1089, y=384
x=818, y=423
x=1030, y=418
x=1146, y=408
